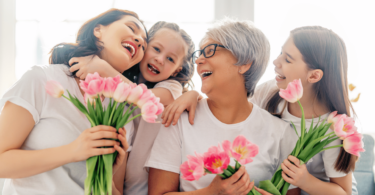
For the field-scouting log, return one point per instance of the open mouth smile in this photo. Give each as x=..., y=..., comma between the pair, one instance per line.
x=130, y=47
x=153, y=69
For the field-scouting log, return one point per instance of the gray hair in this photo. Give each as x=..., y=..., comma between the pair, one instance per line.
x=185, y=75
x=247, y=43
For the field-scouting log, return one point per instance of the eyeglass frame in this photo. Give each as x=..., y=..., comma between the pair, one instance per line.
x=204, y=53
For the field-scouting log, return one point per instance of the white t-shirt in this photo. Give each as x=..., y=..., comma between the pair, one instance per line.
x=136, y=180
x=321, y=165
x=174, y=143
x=57, y=122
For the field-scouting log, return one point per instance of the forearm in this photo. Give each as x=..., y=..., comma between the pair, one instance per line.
x=316, y=186
x=17, y=163
x=119, y=176
x=111, y=72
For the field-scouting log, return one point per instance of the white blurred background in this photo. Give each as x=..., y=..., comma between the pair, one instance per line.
x=30, y=28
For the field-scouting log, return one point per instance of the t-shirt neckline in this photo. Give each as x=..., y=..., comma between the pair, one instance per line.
x=227, y=126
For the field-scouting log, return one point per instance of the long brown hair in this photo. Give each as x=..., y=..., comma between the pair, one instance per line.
x=86, y=42
x=325, y=50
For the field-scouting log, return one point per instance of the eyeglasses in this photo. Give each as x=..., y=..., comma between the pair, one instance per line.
x=207, y=52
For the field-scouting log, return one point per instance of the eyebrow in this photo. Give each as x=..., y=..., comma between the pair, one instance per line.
x=289, y=56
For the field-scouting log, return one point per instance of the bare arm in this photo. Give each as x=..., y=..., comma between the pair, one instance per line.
x=165, y=182
x=13, y=134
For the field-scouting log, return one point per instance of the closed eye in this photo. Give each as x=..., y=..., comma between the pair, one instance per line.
x=131, y=28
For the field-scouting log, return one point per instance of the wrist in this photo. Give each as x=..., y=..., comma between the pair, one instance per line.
x=67, y=153
x=308, y=182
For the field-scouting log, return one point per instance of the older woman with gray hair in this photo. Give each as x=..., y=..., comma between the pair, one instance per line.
x=233, y=57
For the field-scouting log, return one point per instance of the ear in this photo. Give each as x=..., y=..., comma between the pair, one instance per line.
x=244, y=68
x=176, y=71
x=314, y=76
x=98, y=31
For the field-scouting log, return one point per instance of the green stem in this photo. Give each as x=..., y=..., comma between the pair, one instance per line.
x=65, y=97
x=113, y=110
x=302, y=124
x=337, y=146
x=132, y=118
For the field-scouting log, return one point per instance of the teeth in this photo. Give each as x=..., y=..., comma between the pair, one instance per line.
x=153, y=69
x=204, y=73
x=128, y=45
x=280, y=76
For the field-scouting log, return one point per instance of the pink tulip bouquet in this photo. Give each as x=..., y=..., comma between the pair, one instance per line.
x=120, y=94
x=316, y=139
x=216, y=160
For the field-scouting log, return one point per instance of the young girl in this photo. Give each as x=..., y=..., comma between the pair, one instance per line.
x=318, y=57
x=44, y=141
x=167, y=68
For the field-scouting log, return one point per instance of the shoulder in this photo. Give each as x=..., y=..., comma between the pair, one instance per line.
x=173, y=86
x=273, y=122
x=263, y=92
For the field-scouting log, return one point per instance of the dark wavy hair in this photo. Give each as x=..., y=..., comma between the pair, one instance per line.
x=323, y=49
x=86, y=42
x=185, y=75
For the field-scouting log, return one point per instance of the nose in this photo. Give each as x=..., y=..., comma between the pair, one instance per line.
x=138, y=40
x=200, y=60
x=159, y=59
x=276, y=62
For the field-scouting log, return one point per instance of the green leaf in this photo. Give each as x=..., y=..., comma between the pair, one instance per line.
x=227, y=173
x=99, y=110
x=223, y=176
x=90, y=168
x=108, y=164
x=238, y=165
x=268, y=186
x=92, y=113
x=230, y=169
x=254, y=192
x=106, y=115
x=120, y=109
x=285, y=188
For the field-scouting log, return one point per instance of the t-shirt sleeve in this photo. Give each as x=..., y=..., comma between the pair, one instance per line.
x=330, y=157
x=287, y=143
x=166, y=151
x=263, y=93
x=172, y=85
x=28, y=92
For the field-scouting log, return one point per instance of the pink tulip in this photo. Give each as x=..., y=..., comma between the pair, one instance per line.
x=54, y=88
x=135, y=94
x=160, y=108
x=193, y=168
x=110, y=85
x=333, y=118
x=353, y=144
x=88, y=98
x=122, y=92
x=93, y=85
x=149, y=111
x=242, y=149
x=293, y=92
x=344, y=126
x=146, y=96
x=216, y=160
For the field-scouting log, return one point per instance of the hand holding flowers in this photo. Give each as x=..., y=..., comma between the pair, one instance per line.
x=108, y=119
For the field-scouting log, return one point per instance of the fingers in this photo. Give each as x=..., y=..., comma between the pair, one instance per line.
x=103, y=143
x=243, y=183
x=177, y=115
x=263, y=192
x=287, y=170
x=192, y=114
x=237, y=175
x=171, y=116
x=73, y=60
x=103, y=134
x=121, y=156
x=294, y=160
x=286, y=178
x=122, y=138
x=102, y=128
x=102, y=151
x=166, y=114
x=290, y=166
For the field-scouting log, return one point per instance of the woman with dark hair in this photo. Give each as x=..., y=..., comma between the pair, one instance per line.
x=318, y=57
x=45, y=153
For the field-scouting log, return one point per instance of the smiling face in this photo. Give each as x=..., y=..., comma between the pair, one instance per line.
x=289, y=65
x=124, y=42
x=164, y=56
x=219, y=70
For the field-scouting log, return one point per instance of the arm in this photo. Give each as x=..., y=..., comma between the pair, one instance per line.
x=187, y=101
x=13, y=134
x=165, y=182
x=119, y=168
x=299, y=176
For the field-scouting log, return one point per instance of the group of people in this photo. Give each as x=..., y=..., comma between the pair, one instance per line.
x=44, y=141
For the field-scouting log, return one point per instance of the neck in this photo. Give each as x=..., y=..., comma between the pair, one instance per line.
x=311, y=106
x=230, y=108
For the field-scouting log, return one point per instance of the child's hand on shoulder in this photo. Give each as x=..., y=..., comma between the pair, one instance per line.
x=90, y=64
x=295, y=174
x=187, y=101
